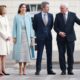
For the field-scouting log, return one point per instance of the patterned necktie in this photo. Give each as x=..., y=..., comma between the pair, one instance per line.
x=45, y=19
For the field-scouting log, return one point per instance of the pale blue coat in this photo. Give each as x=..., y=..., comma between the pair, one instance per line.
x=17, y=24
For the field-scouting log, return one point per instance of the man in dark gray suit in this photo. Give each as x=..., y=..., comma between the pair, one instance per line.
x=64, y=27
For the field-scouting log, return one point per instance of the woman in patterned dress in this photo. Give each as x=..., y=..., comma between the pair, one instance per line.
x=22, y=36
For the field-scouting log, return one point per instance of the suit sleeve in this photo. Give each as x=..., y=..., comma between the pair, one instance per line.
x=8, y=29
x=2, y=33
x=52, y=23
x=77, y=20
x=56, y=28
x=35, y=23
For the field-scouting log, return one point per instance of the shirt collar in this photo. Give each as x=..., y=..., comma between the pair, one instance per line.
x=43, y=13
x=66, y=13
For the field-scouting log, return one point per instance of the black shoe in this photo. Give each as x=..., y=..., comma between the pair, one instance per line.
x=63, y=73
x=51, y=73
x=70, y=73
x=5, y=73
x=1, y=74
x=37, y=73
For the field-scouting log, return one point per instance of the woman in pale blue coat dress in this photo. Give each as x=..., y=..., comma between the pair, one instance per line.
x=22, y=36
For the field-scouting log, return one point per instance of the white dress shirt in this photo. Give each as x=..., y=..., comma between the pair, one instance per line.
x=45, y=18
x=66, y=16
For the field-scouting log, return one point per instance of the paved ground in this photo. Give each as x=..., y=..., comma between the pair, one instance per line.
x=43, y=76
x=13, y=70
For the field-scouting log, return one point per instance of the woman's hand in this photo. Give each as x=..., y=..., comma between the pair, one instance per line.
x=14, y=40
x=32, y=42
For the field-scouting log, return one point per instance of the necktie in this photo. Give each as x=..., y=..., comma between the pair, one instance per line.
x=45, y=19
x=64, y=16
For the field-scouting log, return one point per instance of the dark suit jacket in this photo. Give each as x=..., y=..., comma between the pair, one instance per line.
x=68, y=28
x=39, y=27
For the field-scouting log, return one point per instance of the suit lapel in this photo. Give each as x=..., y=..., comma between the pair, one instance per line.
x=62, y=18
x=42, y=19
x=68, y=18
x=48, y=19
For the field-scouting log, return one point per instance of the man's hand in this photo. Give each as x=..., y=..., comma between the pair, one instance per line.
x=62, y=34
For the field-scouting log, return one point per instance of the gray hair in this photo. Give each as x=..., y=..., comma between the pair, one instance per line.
x=43, y=4
x=64, y=4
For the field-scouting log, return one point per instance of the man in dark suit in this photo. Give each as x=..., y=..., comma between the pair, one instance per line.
x=42, y=24
x=64, y=27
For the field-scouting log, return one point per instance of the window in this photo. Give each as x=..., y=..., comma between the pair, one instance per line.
x=34, y=7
